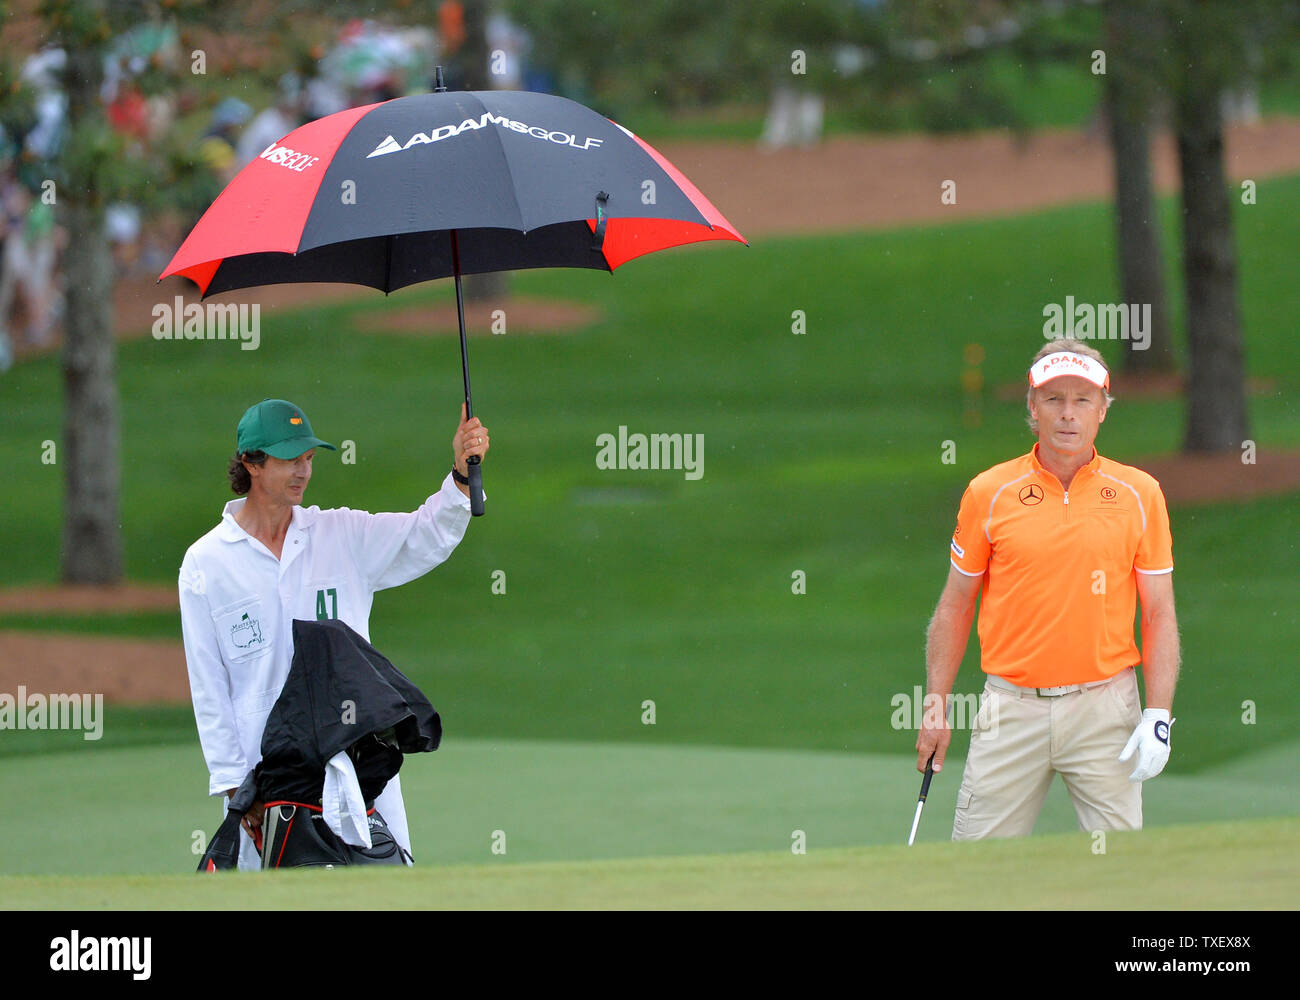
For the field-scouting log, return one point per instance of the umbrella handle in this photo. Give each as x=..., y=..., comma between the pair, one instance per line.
x=475, y=471
x=472, y=462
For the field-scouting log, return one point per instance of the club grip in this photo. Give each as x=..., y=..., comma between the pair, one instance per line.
x=475, y=471
x=925, y=782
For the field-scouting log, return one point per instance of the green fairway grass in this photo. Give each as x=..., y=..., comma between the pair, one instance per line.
x=1243, y=865
x=822, y=457
x=133, y=625
x=143, y=810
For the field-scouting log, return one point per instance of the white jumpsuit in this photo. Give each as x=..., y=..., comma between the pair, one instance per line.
x=238, y=603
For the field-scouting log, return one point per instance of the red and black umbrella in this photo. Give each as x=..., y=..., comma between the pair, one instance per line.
x=448, y=183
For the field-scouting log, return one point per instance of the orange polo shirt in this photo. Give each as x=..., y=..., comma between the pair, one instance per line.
x=1060, y=567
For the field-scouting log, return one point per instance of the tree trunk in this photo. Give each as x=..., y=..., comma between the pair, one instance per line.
x=1216, y=393
x=1129, y=95
x=92, y=531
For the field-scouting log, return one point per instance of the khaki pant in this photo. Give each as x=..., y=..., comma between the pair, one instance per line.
x=1021, y=741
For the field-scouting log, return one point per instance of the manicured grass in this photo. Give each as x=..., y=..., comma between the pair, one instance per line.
x=143, y=810
x=139, y=625
x=823, y=456
x=1229, y=866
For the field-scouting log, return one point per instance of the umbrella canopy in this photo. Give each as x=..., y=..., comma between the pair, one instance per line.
x=448, y=183
x=373, y=194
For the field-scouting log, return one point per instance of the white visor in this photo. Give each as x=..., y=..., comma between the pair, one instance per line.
x=1065, y=363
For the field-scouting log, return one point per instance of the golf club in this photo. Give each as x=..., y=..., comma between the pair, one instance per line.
x=920, y=803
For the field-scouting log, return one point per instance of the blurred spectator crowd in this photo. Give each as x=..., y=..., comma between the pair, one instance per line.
x=368, y=62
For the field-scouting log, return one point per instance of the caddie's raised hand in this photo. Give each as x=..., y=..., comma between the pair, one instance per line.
x=1151, y=741
x=471, y=438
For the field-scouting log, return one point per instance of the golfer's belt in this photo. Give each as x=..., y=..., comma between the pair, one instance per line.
x=1044, y=692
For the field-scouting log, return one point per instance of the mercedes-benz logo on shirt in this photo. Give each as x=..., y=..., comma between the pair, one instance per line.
x=1031, y=495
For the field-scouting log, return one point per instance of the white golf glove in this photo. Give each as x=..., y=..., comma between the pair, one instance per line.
x=1151, y=741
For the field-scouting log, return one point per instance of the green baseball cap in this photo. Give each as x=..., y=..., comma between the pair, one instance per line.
x=278, y=428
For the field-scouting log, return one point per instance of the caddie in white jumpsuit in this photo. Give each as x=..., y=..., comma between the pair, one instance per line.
x=271, y=561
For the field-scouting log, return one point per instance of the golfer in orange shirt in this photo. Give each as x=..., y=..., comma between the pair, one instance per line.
x=1058, y=545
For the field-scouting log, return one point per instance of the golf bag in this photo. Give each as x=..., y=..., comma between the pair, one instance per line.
x=295, y=835
x=341, y=696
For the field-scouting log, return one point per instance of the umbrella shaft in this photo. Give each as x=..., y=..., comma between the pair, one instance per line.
x=460, y=313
